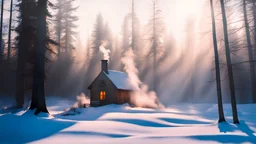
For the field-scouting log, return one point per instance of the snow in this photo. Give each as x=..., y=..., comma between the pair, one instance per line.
x=181, y=123
x=120, y=80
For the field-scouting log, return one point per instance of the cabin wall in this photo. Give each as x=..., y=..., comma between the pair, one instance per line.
x=123, y=96
x=102, y=83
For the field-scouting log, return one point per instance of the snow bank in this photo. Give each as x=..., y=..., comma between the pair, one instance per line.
x=181, y=123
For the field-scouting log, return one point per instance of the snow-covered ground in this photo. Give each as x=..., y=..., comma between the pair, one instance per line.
x=181, y=123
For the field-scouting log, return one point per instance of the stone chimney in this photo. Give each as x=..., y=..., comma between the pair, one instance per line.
x=104, y=66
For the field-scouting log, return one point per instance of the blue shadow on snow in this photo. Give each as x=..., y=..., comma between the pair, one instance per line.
x=89, y=134
x=28, y=128
x=235, y=139
x=141, y=122
x=183, y=121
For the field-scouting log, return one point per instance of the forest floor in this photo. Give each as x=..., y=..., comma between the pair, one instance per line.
x=181, y=123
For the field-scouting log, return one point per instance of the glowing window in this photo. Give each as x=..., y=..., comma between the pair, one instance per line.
x=102, y=95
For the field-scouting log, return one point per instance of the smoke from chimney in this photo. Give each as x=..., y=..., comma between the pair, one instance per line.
x=105, y=51
x=143, y=97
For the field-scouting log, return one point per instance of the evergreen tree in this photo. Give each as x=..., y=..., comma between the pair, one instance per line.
x=10, y=32
x=1, y=22
x=26, y=43
x=69, y=26
x=125, y=33
x=133, y=18
x=97, y=34
x=2, y=50
x=250, y=52
x=156, y=27
x=108, y=38
x=254, y=36
x=217, y=67
x=229, y=64
x=65, y=26
x=43, y=43
x=38, y=97
x=98, y=38
x=59, y=23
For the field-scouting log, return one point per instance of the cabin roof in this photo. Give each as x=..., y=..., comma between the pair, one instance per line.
x=120, y=80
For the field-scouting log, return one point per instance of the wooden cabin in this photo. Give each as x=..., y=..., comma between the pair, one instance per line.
x=110, y=87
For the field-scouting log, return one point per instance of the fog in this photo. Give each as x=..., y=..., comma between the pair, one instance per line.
x=184, y=70
x=185, y=62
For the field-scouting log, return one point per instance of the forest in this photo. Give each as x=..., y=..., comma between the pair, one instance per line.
x=128, y=71
x=208, y=57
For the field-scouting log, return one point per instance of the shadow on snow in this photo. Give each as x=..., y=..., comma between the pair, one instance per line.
x=27, y=127
x=91, y=134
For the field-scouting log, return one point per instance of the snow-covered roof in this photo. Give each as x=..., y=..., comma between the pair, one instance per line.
x=120, y=80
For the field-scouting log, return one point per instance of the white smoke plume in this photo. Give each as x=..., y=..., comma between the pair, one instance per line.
x=81, y=101
x=142, y=97
x=105, y=51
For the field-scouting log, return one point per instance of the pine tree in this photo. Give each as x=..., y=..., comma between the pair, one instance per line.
x=2, y=50
x=10, y=32
x=25, y=43
x=108, y=38
x=125, y=33
x=254, y=31
x=135, y=34
x=43, y=43
x=69, y=26
x=133, y=18
x=88, y=50
x=217, y=67
x=59, y=24
x=156, y=27
x=250, y=47
x=39, y=70
x=65, y=25
x=97, y=39
x=97, y=34
x=229, y=64
x=1, y=23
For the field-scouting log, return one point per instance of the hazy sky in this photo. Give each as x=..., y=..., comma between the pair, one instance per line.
x=175, y=13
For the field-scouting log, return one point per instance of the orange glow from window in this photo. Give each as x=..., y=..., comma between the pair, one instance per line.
x=102, y=95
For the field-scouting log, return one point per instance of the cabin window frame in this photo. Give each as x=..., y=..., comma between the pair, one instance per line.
x=102, y=95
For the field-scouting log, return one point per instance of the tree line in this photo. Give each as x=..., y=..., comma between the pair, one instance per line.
x=244, y=4
x=45, y=35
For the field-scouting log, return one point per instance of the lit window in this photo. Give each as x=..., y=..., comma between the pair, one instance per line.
x=102, y=95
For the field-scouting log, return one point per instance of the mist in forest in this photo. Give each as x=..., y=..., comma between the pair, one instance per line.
x=184, y=52
x=173, y=53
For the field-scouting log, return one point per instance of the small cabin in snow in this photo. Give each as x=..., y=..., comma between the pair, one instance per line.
x=110, y=87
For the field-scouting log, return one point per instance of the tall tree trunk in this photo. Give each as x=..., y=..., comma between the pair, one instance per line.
x=20, y=79
x=88, y=51
x=250, y=52
x=217, y=67
x=1, y=23
x=229, y=64
x=22, y=54
x=58, y=40
x=254, y=19
x=10, y=33
x=66, y=39
x=154, y=46
x=9, y=47
x=39, y=83
x=59, y=28
x=33, y=103
x=133, y=26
